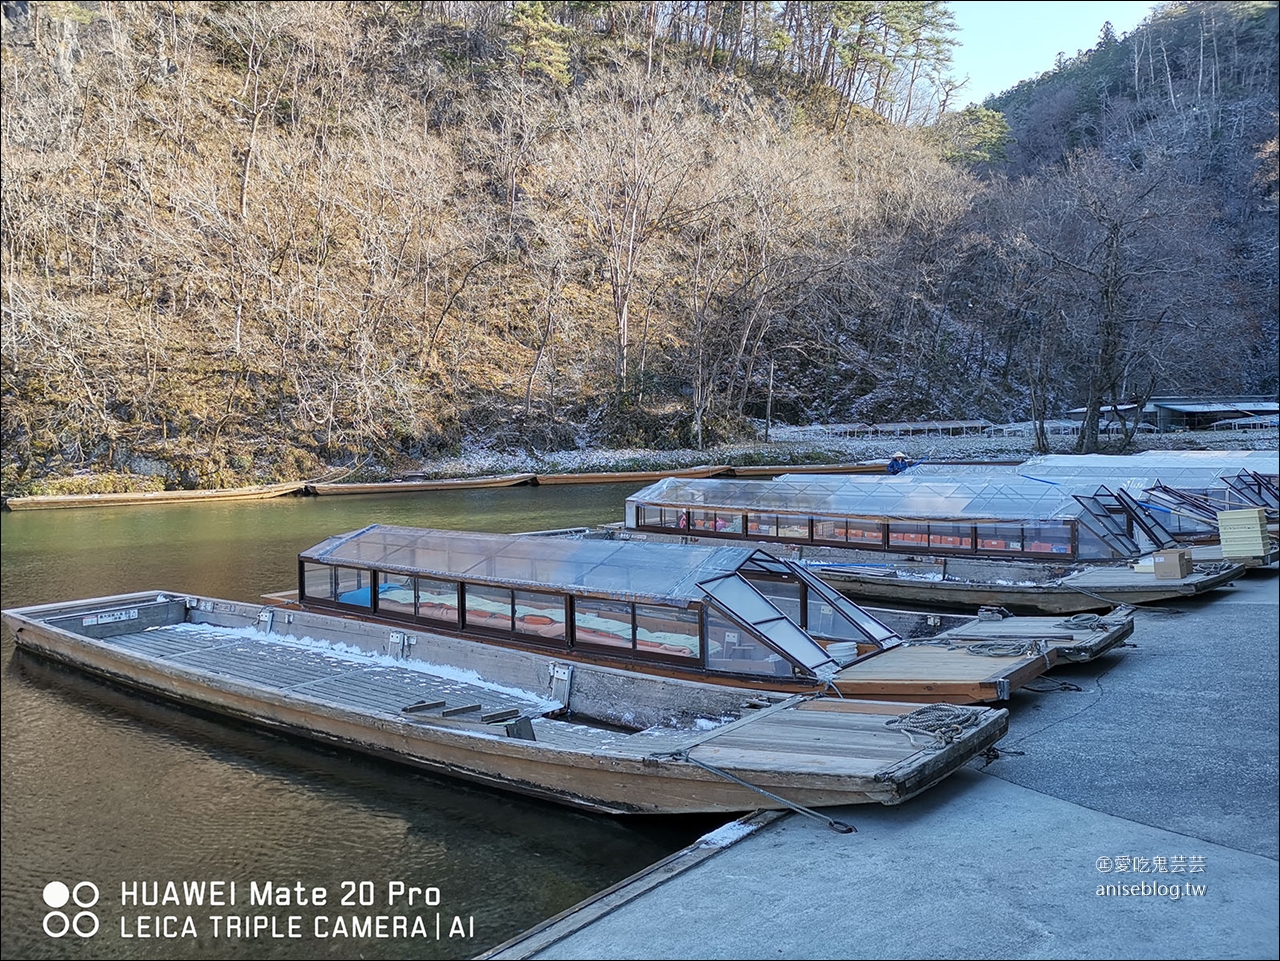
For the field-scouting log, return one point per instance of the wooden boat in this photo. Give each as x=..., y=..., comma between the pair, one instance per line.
x=737, y=616
x=51, y=501
x=595, y=738
x=418, y=486
x=1018, y=587
x=960, y=582
x=633, y=476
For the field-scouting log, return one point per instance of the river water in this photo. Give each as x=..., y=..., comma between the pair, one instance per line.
x=104, y=786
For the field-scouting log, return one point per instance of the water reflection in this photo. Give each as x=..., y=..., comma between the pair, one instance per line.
x=100, y=783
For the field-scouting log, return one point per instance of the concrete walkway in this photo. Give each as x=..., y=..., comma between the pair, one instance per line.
x=1166, y=758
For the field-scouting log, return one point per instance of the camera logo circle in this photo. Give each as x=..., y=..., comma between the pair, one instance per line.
x=57, y=923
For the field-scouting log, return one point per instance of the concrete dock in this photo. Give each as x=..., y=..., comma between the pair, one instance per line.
x=1132, y=813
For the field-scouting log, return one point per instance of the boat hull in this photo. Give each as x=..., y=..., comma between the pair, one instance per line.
x=1094, y=591
x=823, y=758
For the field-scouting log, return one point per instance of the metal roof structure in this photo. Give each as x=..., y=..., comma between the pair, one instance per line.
x=1220, y=407
x=1245, y=423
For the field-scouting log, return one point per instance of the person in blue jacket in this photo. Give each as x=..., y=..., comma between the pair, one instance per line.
x=898, y=463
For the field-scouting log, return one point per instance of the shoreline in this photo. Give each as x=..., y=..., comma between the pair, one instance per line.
x=483, y=466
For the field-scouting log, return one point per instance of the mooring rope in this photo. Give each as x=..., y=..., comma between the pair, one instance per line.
x=1004, y=648
x=1212, y=568
x=1082, y=622
x=1059, y=686
x=986, y=648
x=943, y=723
x=683, y=755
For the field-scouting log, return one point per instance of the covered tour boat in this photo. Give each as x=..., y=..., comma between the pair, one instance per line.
x=727, y=614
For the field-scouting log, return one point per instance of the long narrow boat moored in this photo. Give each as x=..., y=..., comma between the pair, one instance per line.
x=729, y=615
x=129, y=499
x=1013, y=542
x=595, y=738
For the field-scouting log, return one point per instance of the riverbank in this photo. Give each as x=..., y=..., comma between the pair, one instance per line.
x=832, y=449
x=817, y=447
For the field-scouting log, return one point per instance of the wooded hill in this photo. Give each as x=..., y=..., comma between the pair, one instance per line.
x=243, y=241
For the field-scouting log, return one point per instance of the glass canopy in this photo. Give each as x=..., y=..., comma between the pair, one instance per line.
x=619, y=569
x=878, y=496
x=727, y=609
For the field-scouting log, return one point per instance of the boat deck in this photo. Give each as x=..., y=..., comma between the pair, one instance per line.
x=813, y=737
x=1126, y=579
x=1080, y=639
x=350, y=681
x=404, y=692
x=982, y=660
x=498, y=717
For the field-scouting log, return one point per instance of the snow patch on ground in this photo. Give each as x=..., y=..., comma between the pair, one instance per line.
x=728, y=834
x=479, y=460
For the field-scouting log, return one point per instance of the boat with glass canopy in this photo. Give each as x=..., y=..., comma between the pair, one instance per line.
x=968, y=542
x=726, y=614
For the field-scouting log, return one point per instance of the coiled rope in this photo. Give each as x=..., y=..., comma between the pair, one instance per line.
x=942, y=724
x=1082, y=622
x=1212, y=568
x=1004, y=648
x=987, y=648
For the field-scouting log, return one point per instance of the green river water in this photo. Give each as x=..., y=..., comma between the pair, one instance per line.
x=101, y=785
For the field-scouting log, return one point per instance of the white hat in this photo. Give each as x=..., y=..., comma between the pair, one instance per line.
x=900, y=454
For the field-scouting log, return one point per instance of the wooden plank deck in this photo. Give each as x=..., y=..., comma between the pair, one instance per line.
x=1126, y=578
x=351, y=682
x=925, y=664
x=1062, y=639
x=345, y=681
x=965, y=664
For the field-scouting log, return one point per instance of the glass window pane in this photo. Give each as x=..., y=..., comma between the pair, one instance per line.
x=951, y=537
x=1091, y=545
x=762, y=525
x=793, y=528
x=909, y=536
x=662, y=517
x=730, y=648
x=601, y=623
x=1047, y=537
x=395, y=595
x=540, y=615
x=750, y=607
x=667, y=630
x=825, y=531
x=317, y=581
x=999, y=537
x=784, y=595
x=438, y=600
x=488, y=607
x=730, y=523
x=354, y=586
x=864, y=532
x=716, y=521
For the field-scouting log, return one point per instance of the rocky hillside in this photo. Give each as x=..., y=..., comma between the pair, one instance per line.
x=247, y=241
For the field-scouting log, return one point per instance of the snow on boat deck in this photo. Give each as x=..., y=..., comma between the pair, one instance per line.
x=374, y=684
